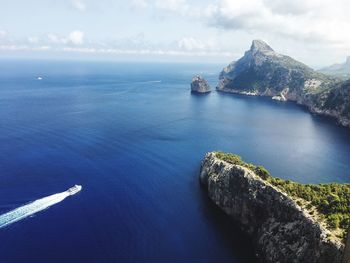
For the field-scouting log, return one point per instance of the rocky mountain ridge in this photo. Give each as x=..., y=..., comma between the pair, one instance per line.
x=264, y=72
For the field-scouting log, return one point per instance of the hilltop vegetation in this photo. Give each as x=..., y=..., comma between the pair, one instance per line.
x=331, y=201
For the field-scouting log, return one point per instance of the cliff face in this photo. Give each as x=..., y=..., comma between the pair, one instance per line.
x=199, y=85
x=264, y=72
x=334, y=102
x=281, y=230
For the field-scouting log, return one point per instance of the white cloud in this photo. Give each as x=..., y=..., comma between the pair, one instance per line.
x=53, y=38
x=33, y=40
x=76, y=37
x=292, y=7
x=323, y=21
x=313, y=31
x=3, y=33
x=80, y=5
x=171, y=5
x=140, y=3
x=160, y=52
x=190, y=43
x=113, y=51
x=168, y=5
x=14, y=47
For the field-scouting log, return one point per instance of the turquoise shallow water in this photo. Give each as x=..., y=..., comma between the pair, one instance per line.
x=133, y=136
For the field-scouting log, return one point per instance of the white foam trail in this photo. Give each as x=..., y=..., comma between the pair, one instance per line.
x=33, y=207
x=151, y=81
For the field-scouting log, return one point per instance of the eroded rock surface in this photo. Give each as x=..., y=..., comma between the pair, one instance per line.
x=281, y=230
x=199, y=85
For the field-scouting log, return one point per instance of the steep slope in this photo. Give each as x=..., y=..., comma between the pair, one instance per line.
x=264, y=72
x=200, y=85
x=284, y=228
x=334, y=102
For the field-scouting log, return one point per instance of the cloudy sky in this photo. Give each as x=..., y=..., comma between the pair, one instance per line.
x=316, y=32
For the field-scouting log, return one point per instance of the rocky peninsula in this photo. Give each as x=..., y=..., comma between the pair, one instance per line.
x=287, y=221
x=199, y=85
x=264, y=72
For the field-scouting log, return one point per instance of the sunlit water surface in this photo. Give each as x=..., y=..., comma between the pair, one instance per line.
x=133, y=136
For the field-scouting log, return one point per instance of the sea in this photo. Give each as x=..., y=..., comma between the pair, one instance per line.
x=133, y=136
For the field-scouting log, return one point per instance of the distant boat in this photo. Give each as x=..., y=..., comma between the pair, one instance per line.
x=39, y=78
x=73, y=190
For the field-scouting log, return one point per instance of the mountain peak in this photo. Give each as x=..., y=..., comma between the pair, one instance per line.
x=259, y=45
x=263, y=70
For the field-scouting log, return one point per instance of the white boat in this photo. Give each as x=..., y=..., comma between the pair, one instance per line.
x=73, y=190
x=36, y=206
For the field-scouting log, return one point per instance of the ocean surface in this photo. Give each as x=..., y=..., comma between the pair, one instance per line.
x=133, y=136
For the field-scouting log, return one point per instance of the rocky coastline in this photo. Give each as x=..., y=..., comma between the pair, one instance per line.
x=264, y=72
x=281, y=229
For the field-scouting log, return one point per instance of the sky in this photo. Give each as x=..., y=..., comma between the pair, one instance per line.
x=315, y=32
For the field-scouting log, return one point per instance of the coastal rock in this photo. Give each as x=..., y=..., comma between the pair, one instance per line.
x=333, y=103
x=199, y=85
x=281, y=230
x=279, y=98
x=264, y=72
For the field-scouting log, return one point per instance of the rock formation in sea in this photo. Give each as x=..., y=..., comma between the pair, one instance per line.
x=281, y=227
x=199, y=85
x=264, y=72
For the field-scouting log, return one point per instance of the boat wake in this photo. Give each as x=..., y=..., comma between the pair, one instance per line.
x=151, y=81
x=36, y=206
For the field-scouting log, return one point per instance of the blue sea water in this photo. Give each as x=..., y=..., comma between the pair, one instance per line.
x=133, y=136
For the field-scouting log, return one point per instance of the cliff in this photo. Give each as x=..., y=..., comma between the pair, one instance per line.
x=333, y=102
x=282, y=229
x=199, y=85
x=264, y=72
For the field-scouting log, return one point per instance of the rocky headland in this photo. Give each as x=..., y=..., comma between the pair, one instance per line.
x=264, y=72
x=200, y=85
x=287, y=221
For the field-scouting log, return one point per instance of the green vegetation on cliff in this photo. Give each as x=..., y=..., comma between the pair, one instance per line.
x=332, y=201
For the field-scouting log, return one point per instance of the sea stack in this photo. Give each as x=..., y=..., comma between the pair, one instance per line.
x=199, y=85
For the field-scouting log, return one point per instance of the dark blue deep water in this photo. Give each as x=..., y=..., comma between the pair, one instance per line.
x=133, y=136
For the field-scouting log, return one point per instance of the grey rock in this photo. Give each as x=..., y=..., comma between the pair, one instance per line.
x=265, y=72
x=334, y=103
x=200, y=85
x=281, y=230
